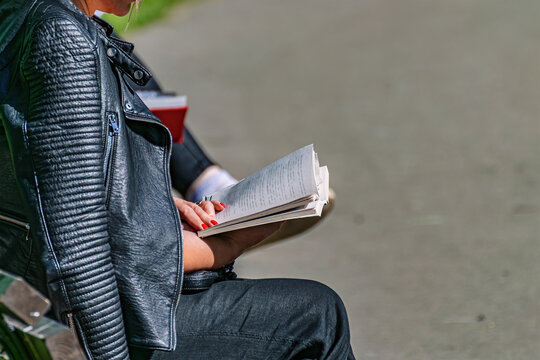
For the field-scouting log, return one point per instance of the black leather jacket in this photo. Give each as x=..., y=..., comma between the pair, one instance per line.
x=86, y=211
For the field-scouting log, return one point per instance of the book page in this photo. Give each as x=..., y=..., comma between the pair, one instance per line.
x=324, y=185
x=313, y=208
x=284, y=181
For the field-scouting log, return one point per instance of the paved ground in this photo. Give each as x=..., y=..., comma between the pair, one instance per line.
x=427, y=114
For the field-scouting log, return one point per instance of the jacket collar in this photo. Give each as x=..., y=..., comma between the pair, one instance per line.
x=119, y=53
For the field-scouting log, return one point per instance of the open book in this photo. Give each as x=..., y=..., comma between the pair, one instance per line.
x=290, y=188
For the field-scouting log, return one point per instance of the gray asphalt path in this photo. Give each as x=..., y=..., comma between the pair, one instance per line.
x=427, y=114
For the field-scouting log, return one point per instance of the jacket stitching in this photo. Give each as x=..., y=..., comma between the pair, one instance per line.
x=27, y=145
x=38, y=197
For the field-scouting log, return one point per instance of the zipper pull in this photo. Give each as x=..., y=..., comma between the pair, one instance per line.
x=27, y=226
x=71, y=323
x=113, y=124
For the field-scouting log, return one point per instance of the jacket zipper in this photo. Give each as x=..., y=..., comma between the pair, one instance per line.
x=71, y=323
x=17, y=223
x=114, y=130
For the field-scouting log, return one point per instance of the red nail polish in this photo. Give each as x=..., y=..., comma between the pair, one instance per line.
x=204, y=226
x=214, y=222
x=222, y=204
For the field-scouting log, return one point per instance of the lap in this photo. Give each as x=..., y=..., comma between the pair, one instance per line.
x=257, y=319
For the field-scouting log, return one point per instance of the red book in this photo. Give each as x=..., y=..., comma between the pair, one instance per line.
x=170, y=109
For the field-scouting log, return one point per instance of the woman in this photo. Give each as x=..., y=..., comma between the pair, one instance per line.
x=87, y=216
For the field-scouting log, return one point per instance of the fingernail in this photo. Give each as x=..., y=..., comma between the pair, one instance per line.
x=214, y=222
x=222, y=204
x=204, y=226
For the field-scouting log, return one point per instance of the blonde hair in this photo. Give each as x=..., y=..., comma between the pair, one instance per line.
x=136, y=5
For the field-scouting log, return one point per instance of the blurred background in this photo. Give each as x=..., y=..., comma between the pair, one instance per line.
x=427, y=114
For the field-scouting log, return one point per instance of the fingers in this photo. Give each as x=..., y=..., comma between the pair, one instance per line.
x=219, y=206
x=208, y=207
x=189, y=214
x=201, y=216
x=195, y=214
x=205, y=215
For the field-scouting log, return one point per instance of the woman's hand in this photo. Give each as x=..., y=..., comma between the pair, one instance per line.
x=216, y=251
x=199, y=216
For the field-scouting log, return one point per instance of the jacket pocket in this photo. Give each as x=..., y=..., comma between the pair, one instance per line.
x=15, y=244
x=19, y=224
x=110, y=152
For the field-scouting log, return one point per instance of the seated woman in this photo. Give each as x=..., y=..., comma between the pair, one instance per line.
x=87, y=216
x=194, y=174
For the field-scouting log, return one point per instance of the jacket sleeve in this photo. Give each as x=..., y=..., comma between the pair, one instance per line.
x=64, y=133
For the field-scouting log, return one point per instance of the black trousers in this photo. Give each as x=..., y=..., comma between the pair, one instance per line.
x=260, y=319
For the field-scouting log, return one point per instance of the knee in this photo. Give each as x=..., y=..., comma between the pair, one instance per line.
x=326, y=320
x=323, y=303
